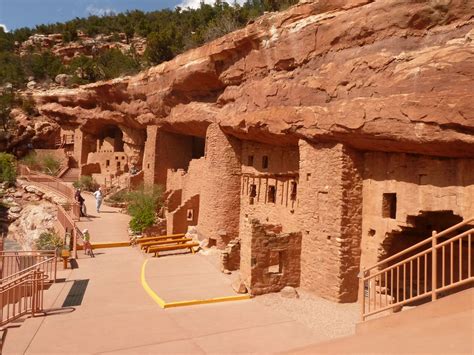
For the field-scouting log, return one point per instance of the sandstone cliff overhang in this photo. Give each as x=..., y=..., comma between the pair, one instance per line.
x=387, y=75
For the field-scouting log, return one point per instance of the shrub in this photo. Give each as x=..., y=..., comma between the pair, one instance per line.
x=119, y=196
x=7, y=168
x=49, y=241
x=86, y=183
x=31, y=161
x=143, y=204
x=50, y=164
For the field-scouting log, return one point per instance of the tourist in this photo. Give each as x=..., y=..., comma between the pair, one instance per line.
x=86, y=238
x=78, y=197
x=98, y=198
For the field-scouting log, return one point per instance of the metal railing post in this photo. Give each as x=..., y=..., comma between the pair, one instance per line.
x=434, y=268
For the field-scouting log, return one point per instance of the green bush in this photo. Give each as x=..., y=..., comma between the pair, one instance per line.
x=119, y=196
x=50, y=164
x=47, y=163
x=31, y=161
x=86, y=183
x=7, y=168
x=142, y=206
x=49, y=241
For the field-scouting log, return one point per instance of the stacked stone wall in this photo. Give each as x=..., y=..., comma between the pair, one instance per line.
x=220, y=189
x=330, y=193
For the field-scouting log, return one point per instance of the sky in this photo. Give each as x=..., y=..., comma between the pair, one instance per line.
x=29, y=13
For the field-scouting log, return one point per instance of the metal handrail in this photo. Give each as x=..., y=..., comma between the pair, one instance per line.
x=423, y=242
x=49, y=271
x=22, y=296
x=384, y=285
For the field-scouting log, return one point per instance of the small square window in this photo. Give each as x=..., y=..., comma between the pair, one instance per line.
x=190, y=215
x=264, y=162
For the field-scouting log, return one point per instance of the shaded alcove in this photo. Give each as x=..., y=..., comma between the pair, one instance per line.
x=114, y=136
x=415, y=278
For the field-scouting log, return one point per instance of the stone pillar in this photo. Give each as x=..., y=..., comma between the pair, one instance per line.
x=220, y=192
x=330, y=214
x=149, y=155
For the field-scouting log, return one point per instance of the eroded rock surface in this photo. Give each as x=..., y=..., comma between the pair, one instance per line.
x=384, y=75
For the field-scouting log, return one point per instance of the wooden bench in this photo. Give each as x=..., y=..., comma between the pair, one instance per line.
x=146, y=245
x=158, y=238
x=157, y=249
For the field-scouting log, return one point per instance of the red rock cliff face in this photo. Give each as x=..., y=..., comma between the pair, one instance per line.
x=390, y=75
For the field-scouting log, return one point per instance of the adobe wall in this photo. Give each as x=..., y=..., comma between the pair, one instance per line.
x=188, y=181
x=330, y=215
x=220, y=188
x=110, y=162
x=269, y=259
x=149, y=155
x=421, y=184
x=281, y=174
x=184, y=216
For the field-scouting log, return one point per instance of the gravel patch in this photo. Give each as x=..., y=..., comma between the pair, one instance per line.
x=328, y=319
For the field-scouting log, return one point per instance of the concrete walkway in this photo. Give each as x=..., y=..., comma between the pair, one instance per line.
x=110, y=225
x=117, y=316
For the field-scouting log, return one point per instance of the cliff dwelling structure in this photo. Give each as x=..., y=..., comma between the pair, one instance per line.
x=310, y=144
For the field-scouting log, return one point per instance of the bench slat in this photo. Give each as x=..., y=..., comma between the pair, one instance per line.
x=161, y=237
x=147, y=245
x=157, y=249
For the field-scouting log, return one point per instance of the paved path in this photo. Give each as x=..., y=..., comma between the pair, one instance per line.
x=118, y=316
x=107, y=226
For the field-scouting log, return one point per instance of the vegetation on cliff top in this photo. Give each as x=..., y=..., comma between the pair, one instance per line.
x=168, y=32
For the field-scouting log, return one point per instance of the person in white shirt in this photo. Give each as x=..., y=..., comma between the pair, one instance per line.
x=98, y=198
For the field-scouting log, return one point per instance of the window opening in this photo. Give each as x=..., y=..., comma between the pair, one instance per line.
x=250, y=160
x=271, y=194
x=265, y=162
x=294, y=187
x=276, y=262
x=253, y=193
x=389, y=205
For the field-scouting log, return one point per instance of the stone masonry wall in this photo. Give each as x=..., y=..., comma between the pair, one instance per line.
x=149, y=155
x=220, y=190
x=184, y=216
x=421, y=184
x=281, y=174
x=330, y=200
x=270, y=259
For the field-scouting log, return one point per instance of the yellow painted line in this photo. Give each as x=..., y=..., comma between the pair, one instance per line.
x=148, y=290
x=163, y=304
x=207, y=301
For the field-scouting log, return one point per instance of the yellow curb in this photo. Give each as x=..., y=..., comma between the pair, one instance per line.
x=207, y=301
x=163, y=304
x=148, y=290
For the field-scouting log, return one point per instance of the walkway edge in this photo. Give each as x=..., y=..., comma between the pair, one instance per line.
x=163, y=304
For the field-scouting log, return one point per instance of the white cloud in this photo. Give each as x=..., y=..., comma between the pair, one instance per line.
x=92, y=10
x=4, y=27
x=194, y=4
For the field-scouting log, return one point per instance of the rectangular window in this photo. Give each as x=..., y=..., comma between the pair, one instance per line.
x=389, y=205
x=276, y=262
x=107, y=163
x=264, y=162
x=294, y=187
x=252, y=193
x=271, y=194
x=250, y=160
x=190, y=215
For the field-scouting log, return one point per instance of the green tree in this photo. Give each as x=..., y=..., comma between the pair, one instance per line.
x=7, y=102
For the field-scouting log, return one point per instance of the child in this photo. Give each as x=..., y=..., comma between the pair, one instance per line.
x=87, y=243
